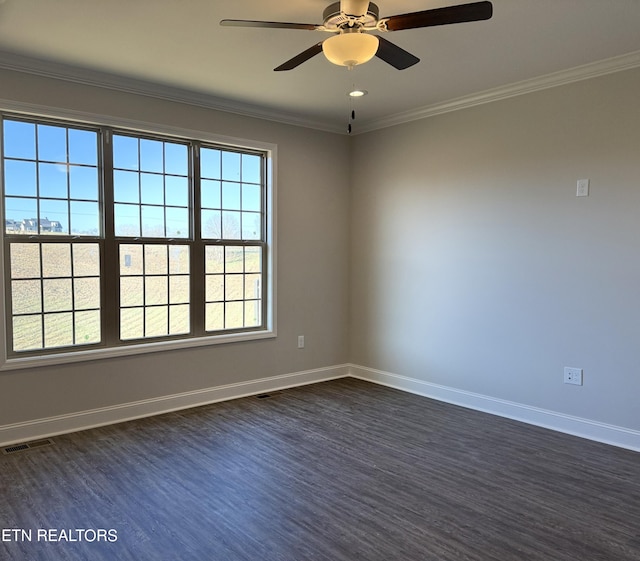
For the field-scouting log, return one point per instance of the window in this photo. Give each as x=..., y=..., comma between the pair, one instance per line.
x=115, y=239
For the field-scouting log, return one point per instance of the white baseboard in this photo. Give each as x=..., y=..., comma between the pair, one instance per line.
x=585, y=428
x=52, y=426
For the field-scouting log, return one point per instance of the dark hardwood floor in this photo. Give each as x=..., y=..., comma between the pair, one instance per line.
x=338, y=471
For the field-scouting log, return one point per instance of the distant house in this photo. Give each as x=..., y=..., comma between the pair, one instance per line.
x=29, y=225
x=47, y=225
x=11, y=225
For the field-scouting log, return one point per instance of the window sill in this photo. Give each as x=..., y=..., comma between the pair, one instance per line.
x=130, y=350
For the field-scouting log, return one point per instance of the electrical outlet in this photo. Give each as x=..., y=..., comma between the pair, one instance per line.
x=573, y=375
x=301, y=341
x=583, y=188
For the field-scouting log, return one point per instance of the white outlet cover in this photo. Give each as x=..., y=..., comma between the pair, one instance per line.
x=573, y=375
x=583, y=188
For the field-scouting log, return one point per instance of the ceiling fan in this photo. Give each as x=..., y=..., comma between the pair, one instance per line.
x=350, y=23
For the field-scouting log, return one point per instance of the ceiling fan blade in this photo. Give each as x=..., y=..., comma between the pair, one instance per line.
x=440, y=16
x=269, y=24
x=394, y=55
x=354, y=7
x=304, y=56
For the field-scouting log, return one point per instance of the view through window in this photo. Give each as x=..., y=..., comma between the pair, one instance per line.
x=114, y=237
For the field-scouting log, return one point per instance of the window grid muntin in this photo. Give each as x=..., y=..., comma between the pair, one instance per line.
x=38, y=199
x=108, y=246
x=146, y=276
x=243, y=212
x=138, y=206
x=44, y=279
x=228, y=274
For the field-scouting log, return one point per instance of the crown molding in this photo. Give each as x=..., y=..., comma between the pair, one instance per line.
x=576, y=74
x=59, y=71
x=87, y=77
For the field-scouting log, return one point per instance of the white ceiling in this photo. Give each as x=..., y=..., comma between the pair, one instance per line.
x=179, y=45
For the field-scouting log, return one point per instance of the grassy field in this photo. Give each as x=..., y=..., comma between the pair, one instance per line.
x=56, y=292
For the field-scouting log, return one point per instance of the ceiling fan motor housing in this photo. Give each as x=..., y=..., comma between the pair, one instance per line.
x=334, y=19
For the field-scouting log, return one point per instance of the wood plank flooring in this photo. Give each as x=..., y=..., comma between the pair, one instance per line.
x=339, y=471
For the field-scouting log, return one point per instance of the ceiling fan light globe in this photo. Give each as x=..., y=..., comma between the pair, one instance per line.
x=350, y=49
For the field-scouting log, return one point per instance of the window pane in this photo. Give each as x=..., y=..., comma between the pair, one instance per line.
x=152, y=189
x=231, y=166
x=83, y=183
x=214, y=288
x=125, y=152
x=178, y=320
x=210, y=194
x=210, y=163
x=27, y=333
x=54, y=216
x=127, y=220
x=252, y=313
x=230, y=196
x=48, y=183
x=214, y=317
x=83, y=147
x=179, y=289
x=86, y=293
x=156, y=321
x=252, y=286
x=212, y=224
x=54, y=295
x=178, y=259
x=85, y=219
x=21, y=216
x=26, y=297
x=126, y=187
x=87, y=327
x=19, y=140
x=230, y=225
x=251, y=197
x=153, y=221
x=58, y=330
x=156, y=291
x=151, y=155
x=214, y=259
x=234, y=287
x=177, y=191
x=86, y=259
x=251, y=168
x=131, y=291
x=233, y=315
x=252, y=259
x=56, y=260
x=251, y=227
x=57, y=295
x=20, y=179
x=155, y=260
x=176, y=159
x=131, y=323
x=52, y=181
x=52, y=143
x=177, y=222
x=25, y=260
x=131, y=262
x=234, y=259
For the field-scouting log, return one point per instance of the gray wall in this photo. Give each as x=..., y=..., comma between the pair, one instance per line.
x=312, y=266
x=475, y=266
x=472, y=263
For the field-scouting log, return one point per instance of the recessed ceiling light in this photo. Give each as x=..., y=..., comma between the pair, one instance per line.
x=358, y=93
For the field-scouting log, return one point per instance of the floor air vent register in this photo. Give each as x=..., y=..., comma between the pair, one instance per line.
x=26, y=446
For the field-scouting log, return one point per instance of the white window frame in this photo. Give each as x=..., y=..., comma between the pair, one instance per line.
x=78, y=354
